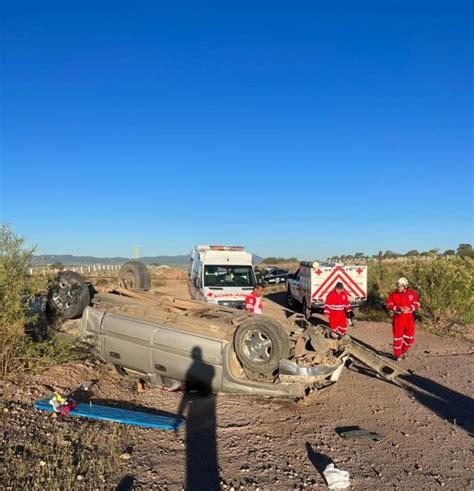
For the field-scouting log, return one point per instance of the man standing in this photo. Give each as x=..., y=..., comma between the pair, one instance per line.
x=253, y=301
x=337, y=308
x=403, y=302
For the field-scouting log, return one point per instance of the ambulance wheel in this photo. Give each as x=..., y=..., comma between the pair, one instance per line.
x=260, y=344
x=290, y=301
x=306, y=311
x=134, y=275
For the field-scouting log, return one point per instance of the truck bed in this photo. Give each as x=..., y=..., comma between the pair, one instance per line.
x=190, y=315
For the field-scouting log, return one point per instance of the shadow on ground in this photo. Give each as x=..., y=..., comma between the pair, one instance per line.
x=448, y=404
x=319, y=460
x=126, y=483
x=199, y=407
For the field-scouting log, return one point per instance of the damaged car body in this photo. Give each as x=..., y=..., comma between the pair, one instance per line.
x=163, y=339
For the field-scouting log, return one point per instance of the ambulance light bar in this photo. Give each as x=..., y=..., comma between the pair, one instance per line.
x=226, y=248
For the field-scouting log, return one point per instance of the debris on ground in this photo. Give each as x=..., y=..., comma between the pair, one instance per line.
x=357, y=432
x=114, y=414
x=336, y=478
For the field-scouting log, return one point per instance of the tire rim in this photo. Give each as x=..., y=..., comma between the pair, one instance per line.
x=129, y=280
x=257, y=346
x=65, y=296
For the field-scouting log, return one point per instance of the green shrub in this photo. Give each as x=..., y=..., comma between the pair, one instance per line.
x=446, y=288
x=17, y=288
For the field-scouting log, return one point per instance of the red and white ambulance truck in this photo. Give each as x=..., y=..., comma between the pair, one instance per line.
x=312, y=282
x=221, y=274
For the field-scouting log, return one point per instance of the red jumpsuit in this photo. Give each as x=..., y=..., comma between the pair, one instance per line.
x=403, y=324
x=335, y=308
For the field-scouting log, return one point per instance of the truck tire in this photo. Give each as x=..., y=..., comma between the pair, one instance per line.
x=260, y=344
x=307, y=312
x=70, y=296
x=134, y=275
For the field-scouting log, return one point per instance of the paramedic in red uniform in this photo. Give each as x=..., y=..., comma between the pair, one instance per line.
x=337, y=308
x=253, y=301
x=403, y=302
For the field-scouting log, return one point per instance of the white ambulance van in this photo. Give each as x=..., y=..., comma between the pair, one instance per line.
x=311, y=284
x=221, y=274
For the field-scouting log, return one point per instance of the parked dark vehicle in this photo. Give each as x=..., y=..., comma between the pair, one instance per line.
x=275, y=276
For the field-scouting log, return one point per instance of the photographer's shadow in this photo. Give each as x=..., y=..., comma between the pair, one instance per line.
x=199, y=404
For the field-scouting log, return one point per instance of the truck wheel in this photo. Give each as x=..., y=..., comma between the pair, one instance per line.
x=290, y=300
x=260, y=344
x=134, y=275
x=306, y=311
x=70, y=296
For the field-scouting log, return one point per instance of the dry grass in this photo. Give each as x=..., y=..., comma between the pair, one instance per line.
x=77, y=455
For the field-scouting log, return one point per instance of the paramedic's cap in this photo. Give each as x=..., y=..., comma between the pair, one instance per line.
x=339, y=285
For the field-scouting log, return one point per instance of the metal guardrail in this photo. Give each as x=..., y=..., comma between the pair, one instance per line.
x=92, y=270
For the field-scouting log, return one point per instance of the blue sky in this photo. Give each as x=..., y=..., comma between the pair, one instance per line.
x=294, y=128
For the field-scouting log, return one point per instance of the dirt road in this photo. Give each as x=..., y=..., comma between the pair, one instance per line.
x=248, y=443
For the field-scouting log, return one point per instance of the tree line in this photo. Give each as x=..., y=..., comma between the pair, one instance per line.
x=462, y=250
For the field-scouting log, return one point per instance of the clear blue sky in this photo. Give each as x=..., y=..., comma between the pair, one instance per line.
x=294, y=128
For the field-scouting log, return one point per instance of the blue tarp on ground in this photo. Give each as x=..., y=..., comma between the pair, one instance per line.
x=118, y=415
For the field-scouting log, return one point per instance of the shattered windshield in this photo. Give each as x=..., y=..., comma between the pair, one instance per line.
x=228, y=276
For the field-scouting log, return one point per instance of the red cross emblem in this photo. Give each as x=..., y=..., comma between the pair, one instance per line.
x=318, y=272
x=360, y=270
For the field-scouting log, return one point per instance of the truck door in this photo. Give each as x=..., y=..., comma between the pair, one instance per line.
x=188, y=357
x=127, y=342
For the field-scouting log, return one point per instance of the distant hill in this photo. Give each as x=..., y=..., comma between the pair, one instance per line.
x=69, y=260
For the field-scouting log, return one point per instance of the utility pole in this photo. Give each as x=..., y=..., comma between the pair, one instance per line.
x=135, y=251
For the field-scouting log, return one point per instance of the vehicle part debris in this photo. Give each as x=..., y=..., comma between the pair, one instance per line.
x=118, y=415
x=382, y=367
x=134, y=275
x=62, y=405
x=336, y=478
x=357, y=432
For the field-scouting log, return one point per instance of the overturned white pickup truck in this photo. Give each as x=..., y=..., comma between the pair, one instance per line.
x=161, y=339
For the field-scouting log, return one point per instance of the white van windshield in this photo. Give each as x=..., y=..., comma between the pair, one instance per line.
x=228, y=276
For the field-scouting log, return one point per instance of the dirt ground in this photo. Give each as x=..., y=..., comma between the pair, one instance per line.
x=239, y=442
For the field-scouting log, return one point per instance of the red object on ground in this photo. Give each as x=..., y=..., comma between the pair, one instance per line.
x=403, y=323
x=335, y=308
x=65, y=409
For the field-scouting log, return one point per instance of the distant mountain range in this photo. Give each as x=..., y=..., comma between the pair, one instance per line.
x=69, y=260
